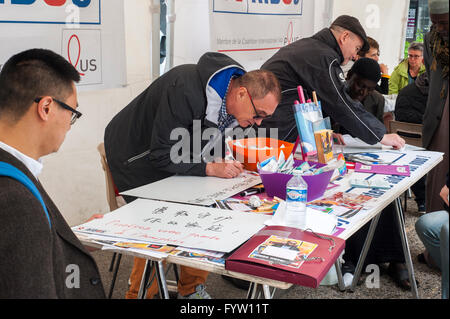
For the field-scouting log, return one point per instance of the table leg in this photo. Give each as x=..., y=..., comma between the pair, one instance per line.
x=266, y=292
x=116, y=270
x=162, y=285
x=406, y=251
x=252, y=291
x=145, y=275
x=362, y=257
x=337, y=265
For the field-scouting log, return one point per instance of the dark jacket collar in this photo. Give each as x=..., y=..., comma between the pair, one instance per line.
x=326, y=36
x=212, y=63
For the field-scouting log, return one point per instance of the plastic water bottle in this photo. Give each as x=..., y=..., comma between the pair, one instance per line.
x=296, y=194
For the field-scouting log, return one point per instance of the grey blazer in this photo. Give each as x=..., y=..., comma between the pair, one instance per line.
x=36, y=260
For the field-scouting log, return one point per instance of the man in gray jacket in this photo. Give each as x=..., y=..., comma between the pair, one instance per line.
x=40, y=255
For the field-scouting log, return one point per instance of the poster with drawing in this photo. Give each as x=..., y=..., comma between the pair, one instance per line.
x=176, y=224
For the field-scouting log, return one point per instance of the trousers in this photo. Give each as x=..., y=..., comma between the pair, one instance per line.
x=432, y=229
x=189, y=279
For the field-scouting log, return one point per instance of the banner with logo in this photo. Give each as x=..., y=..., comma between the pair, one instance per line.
x=88, y=33
x=251, y=31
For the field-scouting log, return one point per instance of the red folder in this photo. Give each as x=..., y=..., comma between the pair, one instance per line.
x=250, y=258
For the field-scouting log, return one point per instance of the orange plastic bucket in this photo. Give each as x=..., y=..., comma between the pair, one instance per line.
x=250, y=151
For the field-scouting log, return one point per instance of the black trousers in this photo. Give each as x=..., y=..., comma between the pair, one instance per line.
x=419, y=190
x=386, y=243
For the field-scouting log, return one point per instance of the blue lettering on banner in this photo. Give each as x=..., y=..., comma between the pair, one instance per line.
x=14, y=11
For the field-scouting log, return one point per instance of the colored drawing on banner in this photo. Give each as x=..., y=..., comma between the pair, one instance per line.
x=283, y=251
x=176, y=224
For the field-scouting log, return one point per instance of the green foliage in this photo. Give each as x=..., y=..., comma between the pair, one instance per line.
x=419, y=38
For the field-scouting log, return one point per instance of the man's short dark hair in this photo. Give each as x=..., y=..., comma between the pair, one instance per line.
x=260, y=83
x=31, y=74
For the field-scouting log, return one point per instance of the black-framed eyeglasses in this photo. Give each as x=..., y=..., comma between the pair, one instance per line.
x=75, y=114
x=257, y=116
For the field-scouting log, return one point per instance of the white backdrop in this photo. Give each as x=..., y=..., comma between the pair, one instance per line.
x=219, y=25
x=383, y=20
x=89, y=33
x=251, y=32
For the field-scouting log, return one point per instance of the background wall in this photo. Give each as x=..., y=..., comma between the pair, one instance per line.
x=383, y=20
x=73, y=176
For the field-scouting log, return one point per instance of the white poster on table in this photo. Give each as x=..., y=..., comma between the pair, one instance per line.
x=177, y=224
x=197, y=190
x=88, y=33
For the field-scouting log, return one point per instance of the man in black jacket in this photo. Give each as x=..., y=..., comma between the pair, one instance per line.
x=315, y=64
x=143, y=144
x=41, y=256
x=410, y=107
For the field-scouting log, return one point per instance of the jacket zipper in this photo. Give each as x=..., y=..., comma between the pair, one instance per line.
x=134, y=158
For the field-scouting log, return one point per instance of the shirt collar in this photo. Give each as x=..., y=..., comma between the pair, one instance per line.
x=34, y=166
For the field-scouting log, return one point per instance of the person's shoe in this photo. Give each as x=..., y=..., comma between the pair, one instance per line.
x=399, y=273
x=200, y=293
x=421, y=208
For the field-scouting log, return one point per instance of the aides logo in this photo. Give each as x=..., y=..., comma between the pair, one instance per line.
x=82, y=48
x=271, y=7
x=50, y=11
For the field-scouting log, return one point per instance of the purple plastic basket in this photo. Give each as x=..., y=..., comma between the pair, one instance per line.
x=275, y=183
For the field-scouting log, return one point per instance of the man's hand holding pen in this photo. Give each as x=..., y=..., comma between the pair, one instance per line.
x=224, y=168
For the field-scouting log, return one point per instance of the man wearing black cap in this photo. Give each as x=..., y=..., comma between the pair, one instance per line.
x=315, y=64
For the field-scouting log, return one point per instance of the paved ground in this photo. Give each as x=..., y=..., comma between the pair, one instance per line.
x=429, y=281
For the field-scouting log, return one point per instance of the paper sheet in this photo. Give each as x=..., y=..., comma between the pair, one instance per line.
x=318, y=221
x=198, y=190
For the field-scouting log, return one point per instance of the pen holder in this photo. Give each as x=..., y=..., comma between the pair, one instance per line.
x=250, y=151
x=275, y=183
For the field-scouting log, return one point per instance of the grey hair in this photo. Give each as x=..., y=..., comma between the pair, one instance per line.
x=417, y=46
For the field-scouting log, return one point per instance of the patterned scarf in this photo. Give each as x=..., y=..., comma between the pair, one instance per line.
x=224, y=118
x=439, y=49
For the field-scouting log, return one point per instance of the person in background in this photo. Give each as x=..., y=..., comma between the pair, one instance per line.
x=374, y=53
x=432, y=229
x=386, y=247
x=218, y=94
x=408, y=70
x=40, y=255
x=362, y=81
x=409, y=107
x=436, y=117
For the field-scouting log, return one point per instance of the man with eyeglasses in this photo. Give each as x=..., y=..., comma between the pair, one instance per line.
x=39, y=252
x=173, y=115
x=408, y=70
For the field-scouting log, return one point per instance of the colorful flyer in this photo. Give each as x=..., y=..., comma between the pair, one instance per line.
x=402, y=170
x=283, y=251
